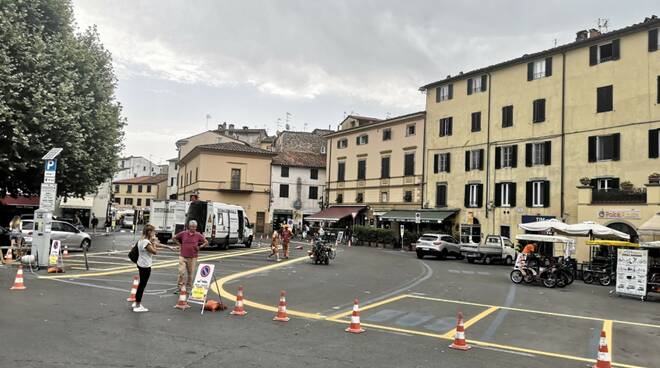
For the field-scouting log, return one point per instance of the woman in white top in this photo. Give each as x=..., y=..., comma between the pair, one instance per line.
x=15, y=234
x=146, y=249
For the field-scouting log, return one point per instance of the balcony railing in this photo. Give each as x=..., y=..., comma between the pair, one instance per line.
x=236, y=186
x=619, y=196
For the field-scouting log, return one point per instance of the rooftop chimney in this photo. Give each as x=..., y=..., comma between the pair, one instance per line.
x=581, y=35
x=245, y=127
x=593, y=33
x=231, y=126
x=222, y=126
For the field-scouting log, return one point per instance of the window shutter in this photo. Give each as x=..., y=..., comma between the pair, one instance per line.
x=514, y=156
x=498, y=157
x=616, y=146
x=357, y=141
x=609, y=98
x=546, y=193
x=615, y=49
x=530, y=71
x=450, y=123
x=469, y=86
x=512, y=194
x=658, y=91
x=436, y=158
x=653, y=143
x=467, y=196
x=615, y=183
x=593, y=55
x=535, y=111
x=653, y=39
x=450, y=92
x=441, y=128
x=541, y=110
x=594, y=183
x=498, y=195
x=448, y=161
x=480, y=194
x=484, y=82
x=592, y=149
x=441, y=196
x=481, y=159
x=437, y=94
x=467, y=160
x=548, y=152
x=528, y=193
x=548, y=66
x=528, y=155
x=504, y=114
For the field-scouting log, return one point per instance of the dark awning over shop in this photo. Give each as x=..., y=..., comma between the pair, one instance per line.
x=335, y=213
x=426, y=216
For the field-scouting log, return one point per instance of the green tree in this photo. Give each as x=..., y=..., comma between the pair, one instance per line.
x=57, y=89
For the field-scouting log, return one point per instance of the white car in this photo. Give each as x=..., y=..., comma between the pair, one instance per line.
x=62, y=231
x=439, y=245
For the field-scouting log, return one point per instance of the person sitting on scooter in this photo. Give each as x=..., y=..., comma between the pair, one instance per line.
x=521, y=261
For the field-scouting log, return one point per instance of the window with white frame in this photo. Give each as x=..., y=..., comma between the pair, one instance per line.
x=342, y=143
x=607, y=184
x=539, y=69
x=604, y=147
x=410, y=129
x=507, y=156
x=384, y=197
x=443, y=162
x=474, y=195
x=476, y=84
x=537, y=194
x=363, y=139
x=475, y=160
x=505, y=192
x=443, y=93
x=538, y=154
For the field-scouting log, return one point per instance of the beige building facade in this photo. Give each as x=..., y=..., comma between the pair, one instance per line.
x=376, y=163
x=138, y=193
x=233, y=173
x=510, y=142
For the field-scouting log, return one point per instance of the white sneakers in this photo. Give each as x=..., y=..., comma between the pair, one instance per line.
x=134, y=305
x=140, y=309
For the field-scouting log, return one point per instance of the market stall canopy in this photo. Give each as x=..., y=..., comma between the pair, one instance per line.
x=335, y=213
x=612, y=243
x=20, y=201
x=546, y=225
x=426, y=216
x=77, y=203
x=650, y=230
x=591, y=228
x=545, y=238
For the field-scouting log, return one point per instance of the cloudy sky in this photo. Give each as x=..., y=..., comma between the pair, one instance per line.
x=251, y=62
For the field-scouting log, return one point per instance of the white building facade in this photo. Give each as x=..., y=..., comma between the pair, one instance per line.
x=134, y=166
x=172, y=177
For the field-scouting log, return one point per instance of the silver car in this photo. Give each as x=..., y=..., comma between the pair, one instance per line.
x=62, y=231
x=439, y=245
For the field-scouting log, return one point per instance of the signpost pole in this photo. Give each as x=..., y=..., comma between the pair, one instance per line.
x=44, y=215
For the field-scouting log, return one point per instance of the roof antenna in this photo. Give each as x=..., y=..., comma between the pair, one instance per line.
x=603, y=23
x=555, y=42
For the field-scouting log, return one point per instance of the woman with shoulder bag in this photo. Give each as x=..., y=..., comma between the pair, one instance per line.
x=146, y=249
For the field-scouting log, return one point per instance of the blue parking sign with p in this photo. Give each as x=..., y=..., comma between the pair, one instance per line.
x=51, y=165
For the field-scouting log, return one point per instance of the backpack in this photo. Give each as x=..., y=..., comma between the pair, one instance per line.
x=134, y=253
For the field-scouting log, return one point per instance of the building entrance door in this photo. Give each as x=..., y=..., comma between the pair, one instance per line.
x=261, y=219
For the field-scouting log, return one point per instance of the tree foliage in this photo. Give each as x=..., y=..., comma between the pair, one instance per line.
x=56, y=90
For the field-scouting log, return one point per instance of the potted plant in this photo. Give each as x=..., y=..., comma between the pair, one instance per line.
x=585, y=181
x=626, y=186
x=654, y=178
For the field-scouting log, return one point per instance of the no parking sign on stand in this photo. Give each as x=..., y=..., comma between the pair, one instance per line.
x=202, y=283
x=55, y=248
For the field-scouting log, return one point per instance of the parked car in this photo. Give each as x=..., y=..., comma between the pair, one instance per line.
x=495, y=248
x=62, y=231
x=439, y=245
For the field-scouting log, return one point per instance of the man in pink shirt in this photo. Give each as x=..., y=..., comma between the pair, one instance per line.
x=189, y=242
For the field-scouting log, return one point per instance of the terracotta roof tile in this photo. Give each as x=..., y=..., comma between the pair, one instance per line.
x=235, y=147
x=154, y=179
x=299, y=159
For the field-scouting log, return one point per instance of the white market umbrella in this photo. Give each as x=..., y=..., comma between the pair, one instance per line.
x=545, y=225
x=589, y=227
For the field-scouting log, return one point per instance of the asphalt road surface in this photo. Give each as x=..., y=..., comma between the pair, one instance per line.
x=408, y=308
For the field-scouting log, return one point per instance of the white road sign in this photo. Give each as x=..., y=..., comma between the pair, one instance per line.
x=418, y=218
x=48, y=196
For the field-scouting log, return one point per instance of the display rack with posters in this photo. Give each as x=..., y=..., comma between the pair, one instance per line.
x=631, y=273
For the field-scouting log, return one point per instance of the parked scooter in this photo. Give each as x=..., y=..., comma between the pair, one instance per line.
x=547, y=275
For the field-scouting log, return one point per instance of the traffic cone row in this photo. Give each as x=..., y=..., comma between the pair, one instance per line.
x=136, y=282
x=182, y=303
x=238, y=308
x=18, y=282
x=281, y=309
x=603, y=359
x=8, y=256
x=459, y=338
x=355, y=326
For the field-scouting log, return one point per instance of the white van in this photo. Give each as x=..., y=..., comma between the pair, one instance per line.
x=222, y=224
x=168, y=217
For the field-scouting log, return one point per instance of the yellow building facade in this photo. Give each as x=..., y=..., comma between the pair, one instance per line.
x=520, y=135
x=138, y=193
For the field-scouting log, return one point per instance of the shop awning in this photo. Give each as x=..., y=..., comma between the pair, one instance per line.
x=20, y=201
x=426, y=216
x=335, y=213
x=650, y=227
x=77, y=203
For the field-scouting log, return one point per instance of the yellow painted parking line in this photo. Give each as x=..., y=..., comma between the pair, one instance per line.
x=472, y=321
x=607, y=327
x=640, y=324
x=77, y=262
x=369, y=306
x=164, y=264
x=218, y=288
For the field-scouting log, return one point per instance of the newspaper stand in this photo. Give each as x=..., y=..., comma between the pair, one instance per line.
x=201, y=285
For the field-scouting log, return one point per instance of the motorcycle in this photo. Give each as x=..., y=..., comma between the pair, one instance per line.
x=322, y=253
x=545, y=274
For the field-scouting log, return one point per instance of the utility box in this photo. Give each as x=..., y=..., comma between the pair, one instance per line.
x=43, y=221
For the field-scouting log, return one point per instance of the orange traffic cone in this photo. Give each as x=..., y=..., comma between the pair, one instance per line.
x=355, y=326
x=65, y=252
x=182, y=303
x=459, y=339
x=603, y=360
x=18, y=282
x=281, y=309
x=238, y=308
x=8, y=256
x=136, y=282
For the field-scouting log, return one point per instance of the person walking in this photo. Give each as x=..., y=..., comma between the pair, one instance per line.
x=286, y=238
x=15, y=234
x=146, y=250
x=189, y=242
x=275, y=245
x=95, y=223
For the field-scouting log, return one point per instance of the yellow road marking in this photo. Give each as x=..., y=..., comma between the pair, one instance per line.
x=471, y=321
x=373, y=305
x=533, y=311
x=607, y=327
x=218, y=288
x=163, y=264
